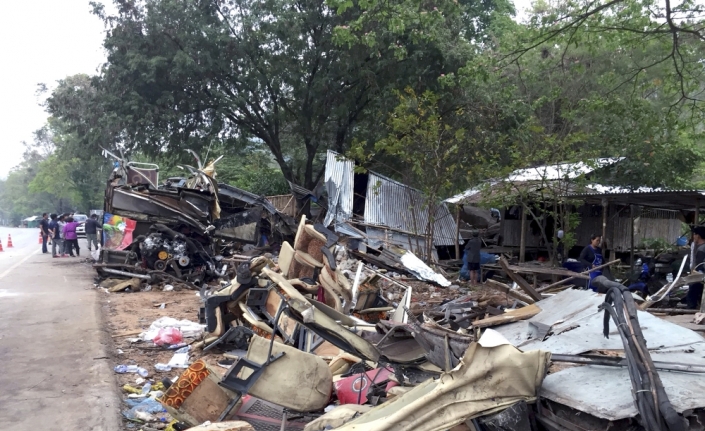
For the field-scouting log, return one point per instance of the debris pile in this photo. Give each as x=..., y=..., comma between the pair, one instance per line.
x=316, y=335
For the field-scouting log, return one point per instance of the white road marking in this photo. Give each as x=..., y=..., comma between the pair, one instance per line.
x=10, y=269
x=4, y=293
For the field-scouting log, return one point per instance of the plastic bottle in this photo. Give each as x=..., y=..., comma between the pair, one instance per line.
x=147, y=388
x=122, y=369
x=162, y=367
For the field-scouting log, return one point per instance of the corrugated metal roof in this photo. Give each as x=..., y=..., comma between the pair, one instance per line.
x=598, y=190
x=339, y=184
x=561, y=171
x=398, y=206
x=556, y=172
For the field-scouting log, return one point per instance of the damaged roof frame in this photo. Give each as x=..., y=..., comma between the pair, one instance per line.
x=387, y=204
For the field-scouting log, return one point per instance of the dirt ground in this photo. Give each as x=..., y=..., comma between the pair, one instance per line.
x=128, y=314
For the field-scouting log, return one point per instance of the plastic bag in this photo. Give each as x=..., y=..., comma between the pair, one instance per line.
x=168, y=336
x=144, y=410
x=95, y=254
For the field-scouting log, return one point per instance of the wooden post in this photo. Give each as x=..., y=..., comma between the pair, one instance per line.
x=522, y=242
x=631, y=249
x=457, y=231
x=605, y=207
x=697, y=212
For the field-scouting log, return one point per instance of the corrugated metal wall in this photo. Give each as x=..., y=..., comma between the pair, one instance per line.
x=398, y=206
x=338, y=180
x=650, y=224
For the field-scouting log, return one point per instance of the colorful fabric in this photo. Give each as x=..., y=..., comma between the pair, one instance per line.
x=117, y=232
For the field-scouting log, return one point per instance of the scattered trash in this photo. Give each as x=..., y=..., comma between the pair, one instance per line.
x=187, y=328
x=122, y=369
x=179, y=360
x=168, y=337
x=144, y=410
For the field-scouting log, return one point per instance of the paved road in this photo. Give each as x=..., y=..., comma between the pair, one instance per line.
x=54, y=371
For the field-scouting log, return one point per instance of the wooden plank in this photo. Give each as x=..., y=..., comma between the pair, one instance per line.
x=536, y=269
x=509, y=291
x=127, y=334
x=509, y=317
x=519, y=280
x=558, y=283
x=671, y=311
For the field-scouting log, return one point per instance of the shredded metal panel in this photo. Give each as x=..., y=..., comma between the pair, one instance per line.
x=606, y=392
x=577, y=327
x=339, y=182
x=398, y=206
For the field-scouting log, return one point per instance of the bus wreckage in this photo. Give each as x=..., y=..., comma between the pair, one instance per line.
x=186, y=229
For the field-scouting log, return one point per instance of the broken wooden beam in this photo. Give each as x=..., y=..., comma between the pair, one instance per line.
x=580, y=275
x=509, y=316
x=509, y=291
x=540, y=269
x=519, y=280
x=672, y=310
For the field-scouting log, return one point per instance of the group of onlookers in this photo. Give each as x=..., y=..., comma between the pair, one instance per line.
x=61, y=231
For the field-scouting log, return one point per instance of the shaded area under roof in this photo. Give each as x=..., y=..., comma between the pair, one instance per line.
x=679, y=200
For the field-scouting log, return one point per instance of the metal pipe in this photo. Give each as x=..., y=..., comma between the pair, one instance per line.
x=127, y=274
x=621, y=362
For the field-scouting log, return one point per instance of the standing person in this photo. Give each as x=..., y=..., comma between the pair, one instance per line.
x=695, y=290
x=44, y=228
x=62, y=240
x=591, y=256
x=472, y=248
x=71, y=238
x=54, y=235
x=92, y=231
x=560, y=249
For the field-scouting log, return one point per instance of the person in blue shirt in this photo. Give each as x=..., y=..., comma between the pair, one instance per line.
x=591, y=256
x=695, y=290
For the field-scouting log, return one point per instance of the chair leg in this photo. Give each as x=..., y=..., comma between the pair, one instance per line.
x=284, y=420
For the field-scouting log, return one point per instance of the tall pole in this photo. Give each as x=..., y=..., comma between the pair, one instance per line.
x=632, y=208
x=522, y=243
x=457, y=231
x=605, y=207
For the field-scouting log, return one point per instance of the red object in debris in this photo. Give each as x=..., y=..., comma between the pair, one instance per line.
x=354, y=389
x=168, y=337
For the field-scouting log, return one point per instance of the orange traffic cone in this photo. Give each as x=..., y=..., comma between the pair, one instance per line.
x=1, y=246
x=9, y=241
x=40, y=237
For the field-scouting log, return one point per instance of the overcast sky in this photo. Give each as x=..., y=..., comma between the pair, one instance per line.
x=40, y=41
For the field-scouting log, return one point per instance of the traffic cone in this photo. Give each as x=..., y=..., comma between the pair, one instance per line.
x=9, y=241
x=1, y=247
x=40, y=237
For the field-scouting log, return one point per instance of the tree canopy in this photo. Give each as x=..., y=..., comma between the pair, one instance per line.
x=273, y=84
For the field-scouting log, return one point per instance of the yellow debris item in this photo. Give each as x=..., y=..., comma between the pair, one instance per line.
x=131, y=390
